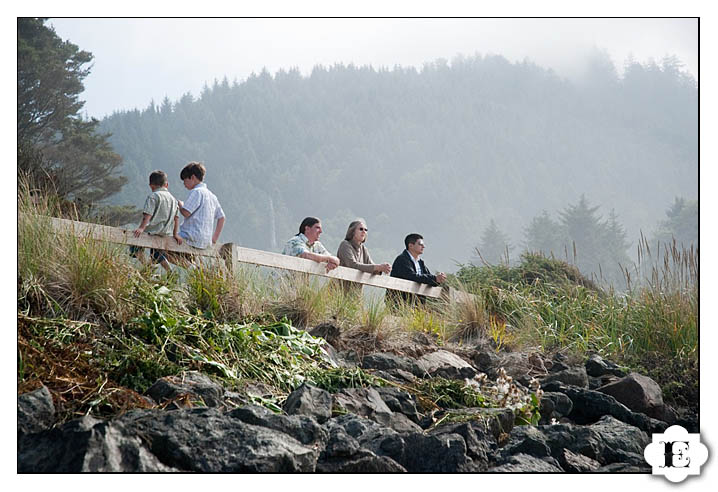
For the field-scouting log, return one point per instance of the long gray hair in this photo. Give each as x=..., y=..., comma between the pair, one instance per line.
x=353, y=227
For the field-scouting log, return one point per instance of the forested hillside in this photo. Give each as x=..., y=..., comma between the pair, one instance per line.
x=442, y=150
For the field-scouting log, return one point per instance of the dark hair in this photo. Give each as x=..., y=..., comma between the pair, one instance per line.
x=352, y=228
x=412, y=238
x=193, y=169
x=307, y=222
x=158, y=178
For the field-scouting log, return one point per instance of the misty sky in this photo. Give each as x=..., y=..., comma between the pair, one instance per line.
x=139, y=60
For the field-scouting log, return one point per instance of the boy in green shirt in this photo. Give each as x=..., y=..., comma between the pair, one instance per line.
x=160, y=217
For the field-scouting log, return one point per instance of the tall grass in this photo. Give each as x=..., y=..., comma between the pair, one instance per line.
x=62, y=274
x=652, y=327
x=215, y=291
x=660, y=315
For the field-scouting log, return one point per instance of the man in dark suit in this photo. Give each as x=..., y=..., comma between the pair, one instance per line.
x=409, y=266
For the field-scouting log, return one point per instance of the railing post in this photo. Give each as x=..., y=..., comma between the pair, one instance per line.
x=226, y=252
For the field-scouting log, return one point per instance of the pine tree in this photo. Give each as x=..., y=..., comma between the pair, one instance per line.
x=584, y=230
x=546, y=236
x=681, y=223
x=494, y=246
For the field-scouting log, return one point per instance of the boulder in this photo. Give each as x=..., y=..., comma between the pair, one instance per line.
x=343, y=454
x=516, y=365
x=577, y=463
x=86, y=445
x=576, y=438
x=396, y=375
x=524, y=463
x=391, y=362
x=439, y=453
x=620, y=438
x=579, y=448
x=367, y=402
x=596, y=382
x=487, y=362
x=596, y=366
x=415, y=452
x=590, y=405
x=400, y=401
x=311, y=401
x=498, y=422
x=363, y=461
x=526, y=440
x=637, y=392
x=554, y=406
x=301, y=427
x=210, y=441
x=558, y=366
x=575, y=376
x=480, y=444
x=197, y=386
x=445, y=364
x=35, y=411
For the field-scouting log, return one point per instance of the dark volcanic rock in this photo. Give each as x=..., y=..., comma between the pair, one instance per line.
x=516, y=365
x=480, y=444
x=589, y=406
x=207, y=440
x=607, y=441
x=596, y=366
x=446, y=365
x=577, y=463
x=524, y=463
x=442, y=453
x=575, y=376
x=343, y=454
x=526, y=440
x=367, y=402
x=311, y=401
x=487, y=362
x=496, y=421
x=416, y=452
x=301, y=427
x=554, y=406
x=86, y=445
x=194, y=384
x=400, y=401
x=390, y=362
x=620, y=438
x=35, y=411
x=637, y=392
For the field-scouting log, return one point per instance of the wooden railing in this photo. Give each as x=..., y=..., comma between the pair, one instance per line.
x=234, y=255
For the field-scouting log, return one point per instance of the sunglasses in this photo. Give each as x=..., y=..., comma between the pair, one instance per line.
x=363, y=229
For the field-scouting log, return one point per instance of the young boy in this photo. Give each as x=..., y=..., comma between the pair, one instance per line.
x=160, y=217
x=201, y=209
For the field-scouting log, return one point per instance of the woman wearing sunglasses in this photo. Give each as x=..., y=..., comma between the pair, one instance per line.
x=353, y=254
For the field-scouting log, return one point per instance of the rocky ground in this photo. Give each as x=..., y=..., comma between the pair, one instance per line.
x=595, y=417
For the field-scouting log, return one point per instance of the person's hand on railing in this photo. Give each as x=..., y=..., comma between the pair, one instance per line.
x=382, y=268
x=441, y=277
x=332, y=263
x=178, y=238
x=138, y=232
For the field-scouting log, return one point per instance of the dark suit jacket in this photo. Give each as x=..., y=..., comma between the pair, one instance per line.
x=403, y=267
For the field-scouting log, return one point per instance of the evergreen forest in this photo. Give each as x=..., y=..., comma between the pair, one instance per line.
x=452, y=150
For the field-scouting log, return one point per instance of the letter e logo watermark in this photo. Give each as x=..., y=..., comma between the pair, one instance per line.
x=676, y=454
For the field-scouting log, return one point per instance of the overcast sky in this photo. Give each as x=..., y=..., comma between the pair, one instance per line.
x=139, y=60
